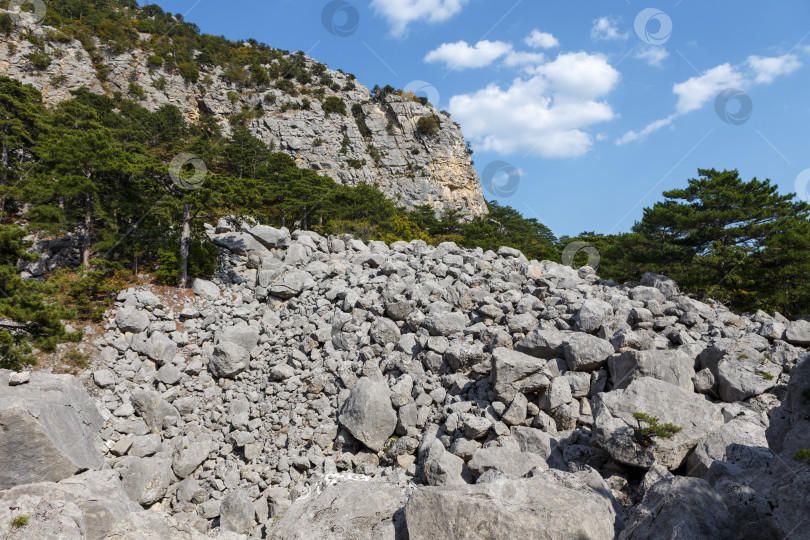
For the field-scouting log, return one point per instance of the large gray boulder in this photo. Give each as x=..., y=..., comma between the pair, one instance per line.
x=615, y=427
x=507, y=461
x=291, y=284
x=584, y=352
x=798, y=333
x=160, y=348
x=593, y=314
x=441, y=468
x=205, y=289
x=385, y=331
x=238, y=243
x=130, y=319
x=514, y=372
x=738, y=442
x=680, y=508
x=445, y=324
x=367, y=413
x=236, y=512
x=269, y=237
x=48, y=429
x=546, y=344
x=741, y=376
x=672, y=366
x=98, y=494
x=227, y=360
x=189, y=456
x=552, y=504
x=46, y=518
x=243, y=335
x=152, y=408
x=145, y=479
x=346, y=506
x=152, y=524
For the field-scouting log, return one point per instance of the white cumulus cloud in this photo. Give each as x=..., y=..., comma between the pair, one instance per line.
x=546, y=113
x=767, y=69
x=461, y=55
x=541, y=40
x=653, y=55
x=401, y=13
x=606, y=29
x=696, y=92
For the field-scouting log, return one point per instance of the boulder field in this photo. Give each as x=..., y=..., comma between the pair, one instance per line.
x=334, y=388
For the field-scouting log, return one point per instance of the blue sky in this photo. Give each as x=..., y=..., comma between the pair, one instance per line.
x=587, y=110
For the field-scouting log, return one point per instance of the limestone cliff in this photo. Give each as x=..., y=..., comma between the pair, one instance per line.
x=410, y=167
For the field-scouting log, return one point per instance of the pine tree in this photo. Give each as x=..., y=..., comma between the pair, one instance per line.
x=20, y=118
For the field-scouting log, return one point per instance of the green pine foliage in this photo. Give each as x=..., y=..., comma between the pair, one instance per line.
x=645, y=433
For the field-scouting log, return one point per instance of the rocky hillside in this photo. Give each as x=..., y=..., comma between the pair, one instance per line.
x=363, y=140
x=332, y=388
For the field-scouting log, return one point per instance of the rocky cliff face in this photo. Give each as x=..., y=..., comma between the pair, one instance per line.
x=410, y=168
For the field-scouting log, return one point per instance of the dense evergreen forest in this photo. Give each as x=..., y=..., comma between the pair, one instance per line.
x=103, y=168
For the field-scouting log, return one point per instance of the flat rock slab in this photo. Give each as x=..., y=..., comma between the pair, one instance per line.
x=553, y=504
x=615, y=426
x=346, y=506
x=48, y=430
x=672, y=366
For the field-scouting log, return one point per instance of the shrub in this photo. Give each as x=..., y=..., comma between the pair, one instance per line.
x=644, y=435
x=20, y=521
x=802, y=454
x=189, y=71
x=287, y=87
x=317, y=142
x=136, y=91
x=334, y=104
x=89, y=291
x=356, y=163
x=77, y=359
x=6, y=24
x=154, y=60
x=40, y=60
x=233, y=96
x=269, y=97
x=375, y=154
x=428, y=126
x=160, y=84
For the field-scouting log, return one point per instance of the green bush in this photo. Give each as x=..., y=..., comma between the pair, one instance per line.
x=6, y=24
x=428, y=126
x=154, y=60
x=136, y=91
x=334, y=104
x=89, y=291
x=189, y=71
x=356, y=163
x=39, y=59
x=803, y=455
x=644, y=434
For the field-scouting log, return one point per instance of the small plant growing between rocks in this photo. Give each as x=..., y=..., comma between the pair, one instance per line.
x=767, y=376
x=20, y=521
x=645, y=434
x=803, y=454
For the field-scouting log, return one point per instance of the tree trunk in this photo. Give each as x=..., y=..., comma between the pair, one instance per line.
x=3, y=176
x=282, y=218
x=304, y=222
x=87, y=221
x=185, y=242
